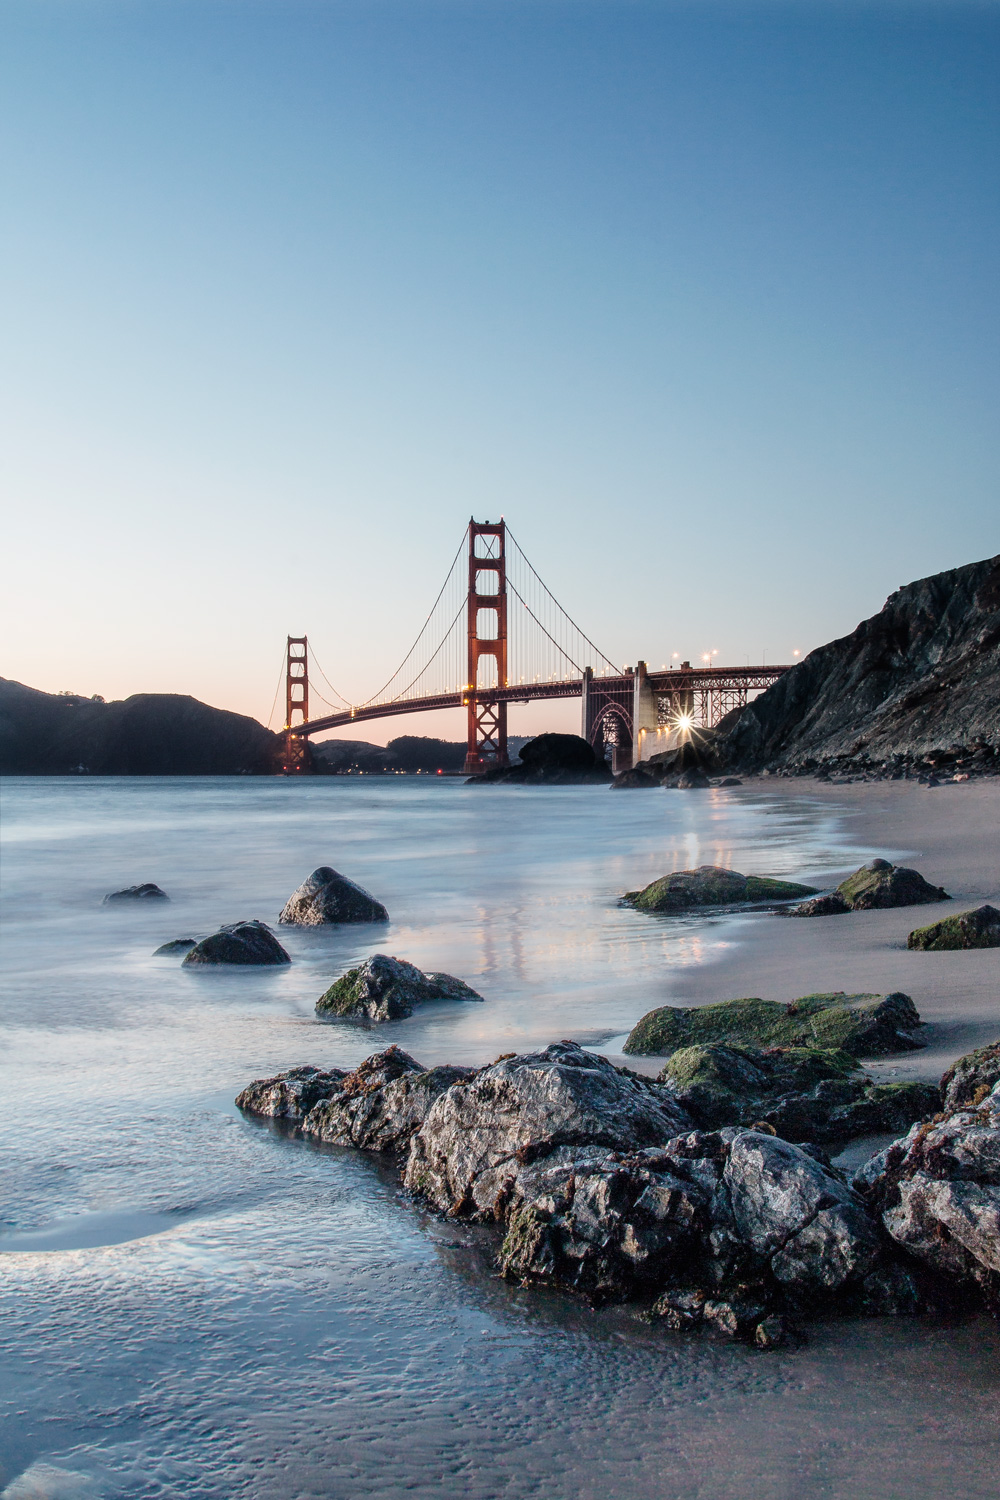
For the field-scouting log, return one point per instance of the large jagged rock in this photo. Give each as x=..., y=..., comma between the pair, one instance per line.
x=938, y=1192
x=922, y=675
x=730, y=1226
x=970, y=929
x=862, y=1025
x=803, y=1094
x=875, y=886
x=711, y=885
x=796, y=1213
x=553, y=760
x=147, y=892
x=599, y=1186
x=328, y=897
x=377, y=1107
x=468, y=1151
x=387, y=989
x=240, y=943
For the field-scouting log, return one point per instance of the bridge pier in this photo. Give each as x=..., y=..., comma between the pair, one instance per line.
x=295, y=760
x=487, y=642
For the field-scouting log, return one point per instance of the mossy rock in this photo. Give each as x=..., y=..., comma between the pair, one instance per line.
x=879, y=885
x=861, y=1025
x=802, y=1093
x=387, y=989
x=711, y=885
x=971, y=929
x=721, y=1085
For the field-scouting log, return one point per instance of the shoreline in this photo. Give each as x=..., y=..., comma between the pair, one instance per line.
x=952, y=835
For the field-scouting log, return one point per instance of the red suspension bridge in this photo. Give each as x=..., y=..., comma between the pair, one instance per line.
x=496, y=635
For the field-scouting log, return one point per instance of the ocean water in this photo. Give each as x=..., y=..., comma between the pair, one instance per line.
x=196, y=1305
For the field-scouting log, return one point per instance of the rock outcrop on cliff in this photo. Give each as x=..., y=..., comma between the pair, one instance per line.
x=149, y=734
x=920, y=678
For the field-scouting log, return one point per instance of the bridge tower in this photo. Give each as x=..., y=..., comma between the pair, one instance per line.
x=296, y=756
x=487, y=632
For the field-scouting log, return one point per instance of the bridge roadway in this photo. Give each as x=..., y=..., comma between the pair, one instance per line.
x=722, y=680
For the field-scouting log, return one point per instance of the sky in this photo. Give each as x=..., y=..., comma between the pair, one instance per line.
x=701, y=296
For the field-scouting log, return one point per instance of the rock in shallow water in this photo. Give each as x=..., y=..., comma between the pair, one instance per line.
x=240, y=943
x=377, y=1107
x=176, y=945
x=328, y=897
x=387, y=989
x=148, y=892
x=863, y=1025
x=970, y=929
x=600, y=1188
x=711, y=885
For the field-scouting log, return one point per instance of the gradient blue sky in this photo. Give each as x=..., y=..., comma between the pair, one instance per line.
x=702, y=297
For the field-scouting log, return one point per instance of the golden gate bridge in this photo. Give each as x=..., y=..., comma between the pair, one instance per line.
x=496, y=635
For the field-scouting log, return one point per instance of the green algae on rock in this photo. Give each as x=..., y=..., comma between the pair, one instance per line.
x=876, y=886
x=711, y=885
x=970, y=929
x=803, y=1093
x=387, y=989
x=861, y=1025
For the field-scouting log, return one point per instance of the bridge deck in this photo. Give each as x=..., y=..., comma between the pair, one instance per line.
x=677, y=680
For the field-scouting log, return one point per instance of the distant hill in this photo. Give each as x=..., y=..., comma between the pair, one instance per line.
x=920, y=677
x=149, y=734
x=409, y=752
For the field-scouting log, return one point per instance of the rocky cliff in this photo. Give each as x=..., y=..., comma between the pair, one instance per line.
x=164, y=734
x=920, y=678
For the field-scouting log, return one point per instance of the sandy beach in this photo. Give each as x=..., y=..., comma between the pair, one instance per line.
x=951, y=834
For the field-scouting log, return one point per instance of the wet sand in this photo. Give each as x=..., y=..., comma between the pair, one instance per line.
x=951, y=834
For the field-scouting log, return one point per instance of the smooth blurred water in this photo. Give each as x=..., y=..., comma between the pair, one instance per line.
x=196, y=1305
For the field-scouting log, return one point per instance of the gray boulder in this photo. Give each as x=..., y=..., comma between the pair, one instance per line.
x=148, y=892
x=328, y=897
x=240, y=943
x=938, y=1194
x=290, y=1095
x=387, y=989
x=795, y=1213
x=519, y=1109
x=733, y=1224
x=377, y=1107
